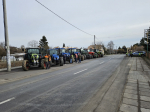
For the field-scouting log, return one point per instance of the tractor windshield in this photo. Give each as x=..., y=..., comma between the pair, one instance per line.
x=33, y=51
x=78, y=50
x=92, y=50
x=53, y=51
x=73, y=50
x=63, y=50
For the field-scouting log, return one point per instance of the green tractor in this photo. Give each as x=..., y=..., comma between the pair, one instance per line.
x=88, y=55
x=100, y=54
x=33, y=57
x=83, y=55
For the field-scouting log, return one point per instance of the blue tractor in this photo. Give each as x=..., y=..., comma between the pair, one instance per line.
x=62, y=52
x=74, y=51
x=55, y=58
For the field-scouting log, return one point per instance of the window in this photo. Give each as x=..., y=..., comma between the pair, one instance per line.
x=52, y=51
x=33, y=51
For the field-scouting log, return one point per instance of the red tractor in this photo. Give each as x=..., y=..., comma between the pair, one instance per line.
x=94, y=55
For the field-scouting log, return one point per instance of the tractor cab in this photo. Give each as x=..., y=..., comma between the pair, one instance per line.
x=72, y=51
x=54, y=54
x=33, y=57
x=94, y=54
x=83, y=53
x=63, y=52
x=55, y=58
x=100, y=54
x=75, y=51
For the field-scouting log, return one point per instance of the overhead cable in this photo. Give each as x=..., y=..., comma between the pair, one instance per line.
x=62, y=18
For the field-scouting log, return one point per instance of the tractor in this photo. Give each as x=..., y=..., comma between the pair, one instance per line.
x=74, y=51
x=33, y=57
x=94, y=54
x=88, y=56
x=62, y=52
x=82, y=53
x=55, y=58
x=98, y=52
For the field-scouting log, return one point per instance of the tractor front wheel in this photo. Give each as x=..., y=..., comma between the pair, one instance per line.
x=43, y=65
x=25, y=65
x=61, y=61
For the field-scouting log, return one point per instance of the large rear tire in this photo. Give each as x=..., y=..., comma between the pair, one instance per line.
x=61, y=61
x=82, y=58
x=43, y=65
x=25, y=65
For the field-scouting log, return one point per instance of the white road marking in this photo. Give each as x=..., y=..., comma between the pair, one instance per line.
x=80, y=71
x=7, y=100
x=102, y=62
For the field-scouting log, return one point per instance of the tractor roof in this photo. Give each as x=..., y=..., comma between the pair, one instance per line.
x=32, y=48
x=51, y=49
x=59, y=48
x=71, y=48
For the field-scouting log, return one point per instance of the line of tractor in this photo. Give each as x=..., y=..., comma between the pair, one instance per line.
x=35, y=57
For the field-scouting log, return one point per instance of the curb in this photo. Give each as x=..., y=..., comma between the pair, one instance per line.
x=11, y=68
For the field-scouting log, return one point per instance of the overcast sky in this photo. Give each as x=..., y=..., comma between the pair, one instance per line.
x=122, y=21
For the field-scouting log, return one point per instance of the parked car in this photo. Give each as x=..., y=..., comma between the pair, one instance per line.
x=142, y=53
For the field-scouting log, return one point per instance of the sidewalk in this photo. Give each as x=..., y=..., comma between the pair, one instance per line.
x=136, y=96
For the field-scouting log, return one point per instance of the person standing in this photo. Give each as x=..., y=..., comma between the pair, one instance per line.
x=70, y=58
x=49, y=61
x=79, y=55
x=46, y=61
x=76, y=57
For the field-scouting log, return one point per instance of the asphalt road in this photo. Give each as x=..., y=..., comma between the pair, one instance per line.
x=63, y=90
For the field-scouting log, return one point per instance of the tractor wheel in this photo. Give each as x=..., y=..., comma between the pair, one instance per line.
x=61, y=61
x=25, y=65
x=43, y=65
x=82, y=58
x=54, y=62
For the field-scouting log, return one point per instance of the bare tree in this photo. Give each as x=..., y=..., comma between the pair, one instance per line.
x=110, y=46
x=50, y=47
x=99, y=45
x=33, y=43
x=22, y=46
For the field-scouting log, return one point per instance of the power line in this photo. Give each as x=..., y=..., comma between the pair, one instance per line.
x=62, y=18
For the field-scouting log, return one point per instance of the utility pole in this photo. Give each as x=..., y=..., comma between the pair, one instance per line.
x=94, y=42
x=6, y=37
x=147, y=43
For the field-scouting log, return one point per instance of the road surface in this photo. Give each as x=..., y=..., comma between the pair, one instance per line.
x=64, y=90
